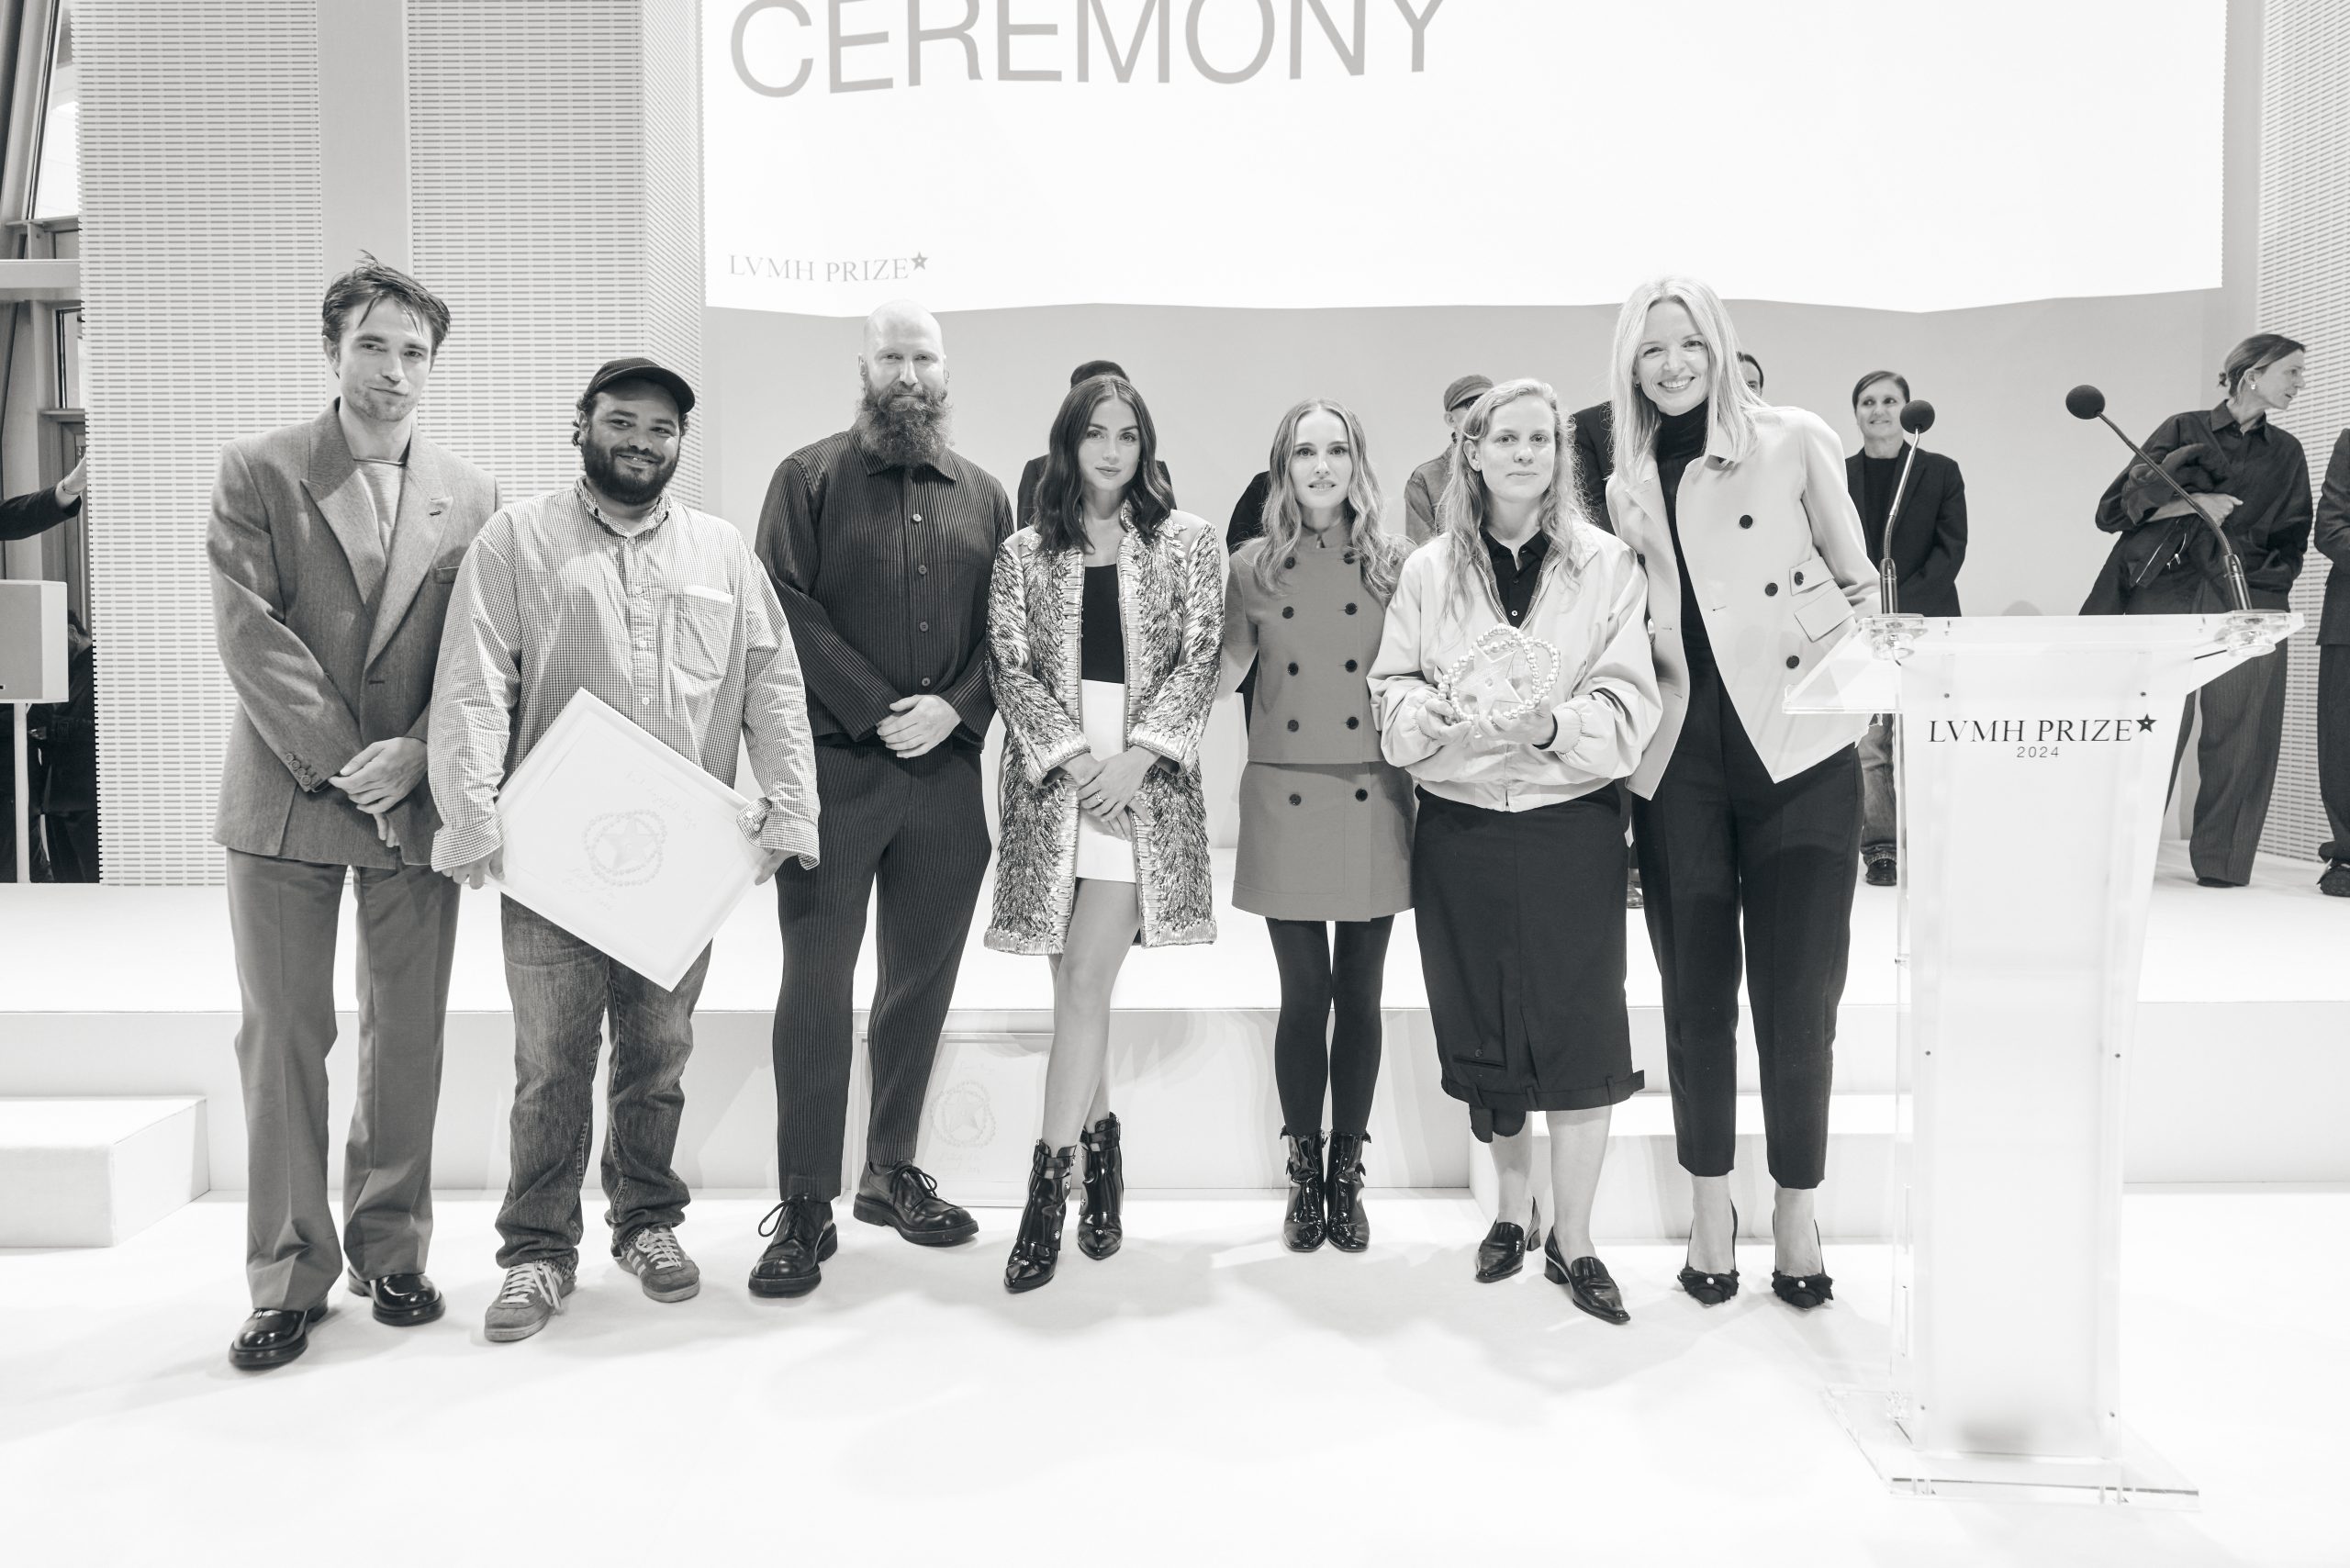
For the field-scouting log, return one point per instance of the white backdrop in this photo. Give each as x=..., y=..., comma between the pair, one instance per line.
x=1293, y=153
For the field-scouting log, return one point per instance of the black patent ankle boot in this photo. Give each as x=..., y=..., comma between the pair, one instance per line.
x=1301, y=1226
x=1349, y=1227
x=1037, y=1249
x=1099, y=1225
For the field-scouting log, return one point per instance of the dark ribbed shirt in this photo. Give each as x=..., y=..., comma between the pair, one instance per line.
x=1102, y=637
x=1517, y=576
x=1680, y=440
x=883, y=574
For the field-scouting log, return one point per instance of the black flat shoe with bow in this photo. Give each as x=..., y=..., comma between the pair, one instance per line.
x=1589, y=1284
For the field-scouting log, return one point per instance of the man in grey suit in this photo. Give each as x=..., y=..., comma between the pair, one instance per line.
x=334, y=545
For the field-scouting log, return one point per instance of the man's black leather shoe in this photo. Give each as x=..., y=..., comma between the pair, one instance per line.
x=803, y=1239
x=906, y=1200
x=402, y=1301
x=273, y=1336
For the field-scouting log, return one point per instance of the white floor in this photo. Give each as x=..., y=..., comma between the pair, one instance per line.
x=1204, y=1397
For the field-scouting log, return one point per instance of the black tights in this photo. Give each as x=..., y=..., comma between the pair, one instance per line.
x=1311, y=984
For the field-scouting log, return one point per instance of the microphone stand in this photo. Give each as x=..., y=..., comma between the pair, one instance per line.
x=1889, y=591
x=2231, y=565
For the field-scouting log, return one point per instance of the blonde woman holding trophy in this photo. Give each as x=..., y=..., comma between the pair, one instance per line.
x=1512, y=682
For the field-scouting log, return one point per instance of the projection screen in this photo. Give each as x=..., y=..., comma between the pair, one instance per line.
x=1300, y=154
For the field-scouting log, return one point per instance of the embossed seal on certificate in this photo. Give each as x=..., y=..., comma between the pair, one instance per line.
x=1505, y=675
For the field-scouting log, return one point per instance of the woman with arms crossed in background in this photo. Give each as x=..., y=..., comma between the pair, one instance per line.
x=1325, y=823
x=1517, y=858
x=1104, y=623
x=1755, y=562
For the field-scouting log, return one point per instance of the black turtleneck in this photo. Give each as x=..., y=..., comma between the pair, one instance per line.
x=1680, y=440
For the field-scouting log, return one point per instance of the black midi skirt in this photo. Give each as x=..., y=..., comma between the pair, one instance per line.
x=1521, y=928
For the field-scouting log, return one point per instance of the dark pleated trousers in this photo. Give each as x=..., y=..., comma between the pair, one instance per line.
x=916, y=831
x=1720, y=840
x=2235, y=757
x=2333, y=745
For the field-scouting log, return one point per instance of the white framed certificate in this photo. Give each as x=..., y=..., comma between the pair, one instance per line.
x=622, y=842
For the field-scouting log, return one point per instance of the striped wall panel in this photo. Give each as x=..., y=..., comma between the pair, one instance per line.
x=201, y=240
x=554, y=160
x=2305, y=293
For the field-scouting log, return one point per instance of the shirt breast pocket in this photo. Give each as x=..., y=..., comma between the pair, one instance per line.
x=697, y=631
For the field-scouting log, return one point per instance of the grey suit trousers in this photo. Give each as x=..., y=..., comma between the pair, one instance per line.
x=283, y=915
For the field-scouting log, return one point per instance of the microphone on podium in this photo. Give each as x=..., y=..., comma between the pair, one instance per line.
x=2086, y=402
x=1917, y=418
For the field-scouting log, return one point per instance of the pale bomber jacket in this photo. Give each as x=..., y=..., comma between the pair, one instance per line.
x=1592, y=607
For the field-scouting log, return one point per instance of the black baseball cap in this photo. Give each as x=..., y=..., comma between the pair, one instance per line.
x=636, y=367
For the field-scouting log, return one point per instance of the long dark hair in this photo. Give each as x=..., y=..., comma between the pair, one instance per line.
x=1060, y=495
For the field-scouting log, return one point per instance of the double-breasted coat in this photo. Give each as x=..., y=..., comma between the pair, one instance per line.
x=1170, y=606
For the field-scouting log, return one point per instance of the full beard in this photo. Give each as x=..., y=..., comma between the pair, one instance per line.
x=605, y=473
x=904, y=430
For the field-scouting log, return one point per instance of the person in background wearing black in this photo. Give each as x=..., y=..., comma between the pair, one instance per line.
x=1425, y=489
x=63, y=764
x=880, y=541
x=1931, y=541
x=2333, y=671
x=1024, y=504
x=2254, y=479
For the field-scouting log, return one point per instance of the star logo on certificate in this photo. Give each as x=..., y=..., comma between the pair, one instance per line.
x=624, y=847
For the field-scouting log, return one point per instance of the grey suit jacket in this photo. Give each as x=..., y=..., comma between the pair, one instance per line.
x=328, y=645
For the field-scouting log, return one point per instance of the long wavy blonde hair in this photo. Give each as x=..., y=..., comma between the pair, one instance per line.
x=1466, y=503
x=1379, y=552
x=1731, y=405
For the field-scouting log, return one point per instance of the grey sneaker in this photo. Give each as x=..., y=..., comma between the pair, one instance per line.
x=532, y=1294
x=654, y=1255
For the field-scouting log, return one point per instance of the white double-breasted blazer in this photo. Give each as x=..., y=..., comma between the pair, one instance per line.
x=1776, y=555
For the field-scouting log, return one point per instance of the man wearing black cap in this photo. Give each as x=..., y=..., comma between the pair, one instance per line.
x=1424, y=491
x=608, y=586
x=880, y=541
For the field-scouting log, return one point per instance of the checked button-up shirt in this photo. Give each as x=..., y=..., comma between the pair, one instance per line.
x=672, y=622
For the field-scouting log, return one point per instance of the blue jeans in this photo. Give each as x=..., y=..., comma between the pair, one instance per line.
x=1877, y=818
x=562, y=988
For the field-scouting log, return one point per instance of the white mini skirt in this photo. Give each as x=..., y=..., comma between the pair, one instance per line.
x=1101, y=855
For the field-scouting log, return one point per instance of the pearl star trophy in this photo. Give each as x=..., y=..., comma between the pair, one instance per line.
x=623, y=842
x=1504, y=675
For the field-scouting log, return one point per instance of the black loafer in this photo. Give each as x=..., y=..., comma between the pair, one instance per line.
x=1589, y=1284
x=273, y=1336
x=803, y=1239
x=1502, y=1253
x=905, y=1199
x=401, y=1301
x=1883, y=871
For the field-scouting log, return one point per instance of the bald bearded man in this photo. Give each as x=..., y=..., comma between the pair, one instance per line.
x=880, y=541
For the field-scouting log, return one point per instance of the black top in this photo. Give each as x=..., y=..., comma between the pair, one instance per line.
x=1680, y=439
x=21, y=517
x=1518, y=576
x=1878, y=477
x=883, y=572
x=1594, y=440
x=1249, y=511
x=1929, y=537
x=2334, y=542
x=2210, y=453
x=1102, y=636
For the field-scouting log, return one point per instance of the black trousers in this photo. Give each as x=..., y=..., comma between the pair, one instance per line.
x=2235, y=759
x=1312, y=1053
x=2333, y=745
x=917, y=829
x=1719, y=841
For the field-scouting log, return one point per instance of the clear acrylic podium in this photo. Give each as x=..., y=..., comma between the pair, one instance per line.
x=2035, y=755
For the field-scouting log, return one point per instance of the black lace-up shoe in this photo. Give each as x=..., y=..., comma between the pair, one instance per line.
x=804, y=1237
x=905, y=1199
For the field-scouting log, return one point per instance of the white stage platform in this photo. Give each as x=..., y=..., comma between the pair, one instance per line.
x=2243, y=1052
x=1201, y=1397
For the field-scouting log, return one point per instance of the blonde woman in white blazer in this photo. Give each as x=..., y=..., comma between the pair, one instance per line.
x=1756, y=567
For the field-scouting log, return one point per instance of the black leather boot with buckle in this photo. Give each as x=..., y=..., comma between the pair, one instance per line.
x=1349, y=1227
x=1099, y=1225
x=1036, y=1251
x=1301, y=1226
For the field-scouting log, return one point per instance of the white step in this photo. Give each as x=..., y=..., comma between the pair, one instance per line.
x=93, y=1173
x=1644, y=1193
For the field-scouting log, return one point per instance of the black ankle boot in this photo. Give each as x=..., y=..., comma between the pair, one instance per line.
x=1099, y=1225
x=1349, y=1228
x=1037, y=1249
x=1301, y=1226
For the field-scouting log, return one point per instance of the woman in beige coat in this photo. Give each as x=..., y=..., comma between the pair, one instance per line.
x=1105, y=619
